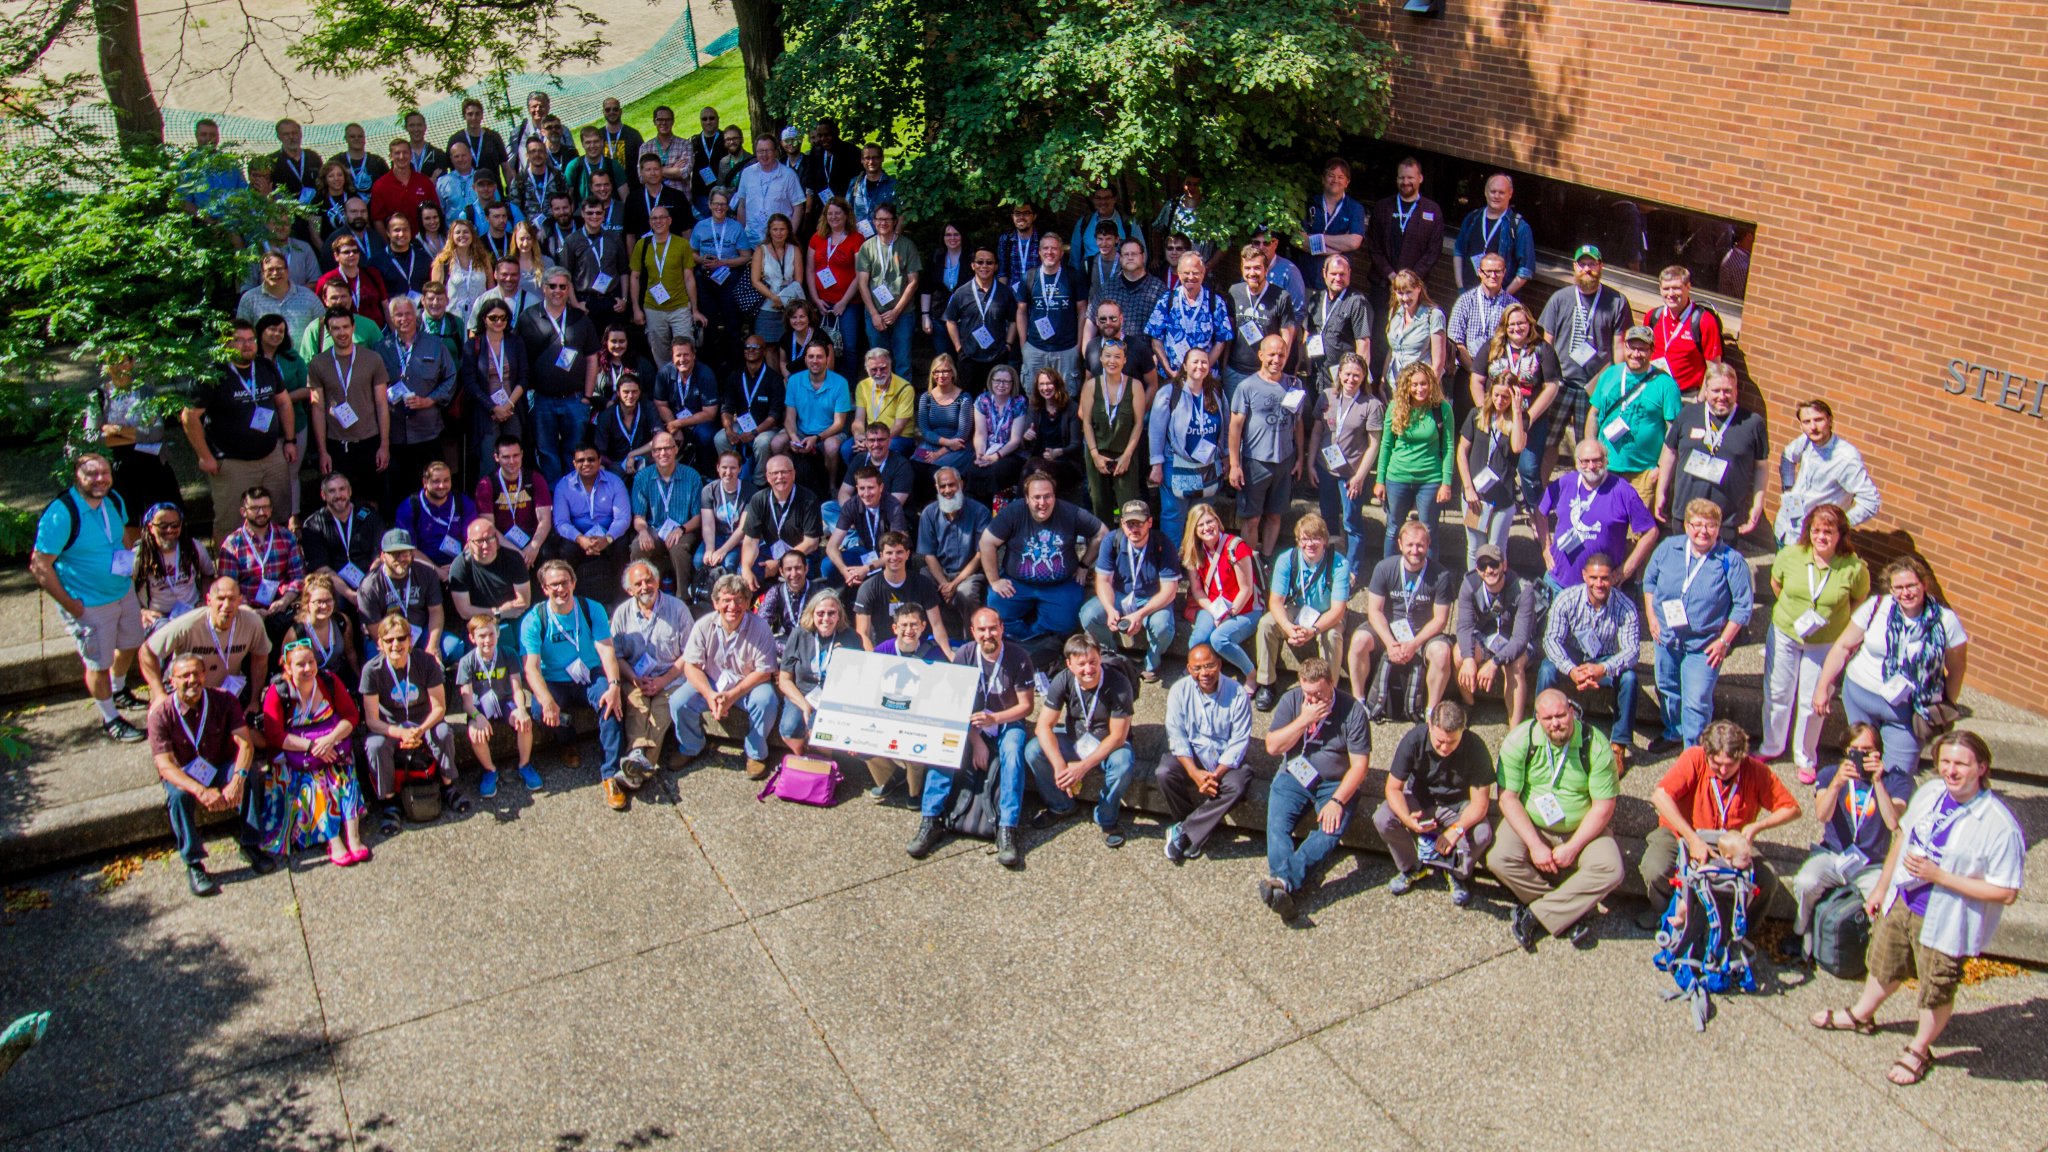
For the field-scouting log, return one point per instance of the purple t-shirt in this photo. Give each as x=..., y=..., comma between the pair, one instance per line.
x=1583, y=523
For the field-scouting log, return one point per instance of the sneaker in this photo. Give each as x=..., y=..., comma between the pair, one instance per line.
x=529, y=776
x=634, y=769
x=127, y=701
x=1113, y=836
x=615, y=797
x=756, y=769
x=1401, y=884
x=1149, y=675
x=1263, y=699
x=121, y=731
x=929, y=832
x=1461, y=890
x=259, y=861
x=1008, y=854
x=1525, y=926
x=201, y=884
x=389, y=823
x=1050, y=817
x=1176, y=845
x=876, y=793
x=487, y=785
x=1662, y=745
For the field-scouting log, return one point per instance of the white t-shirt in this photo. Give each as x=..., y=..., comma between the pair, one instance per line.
x=1985, y=843
x=1866, y=668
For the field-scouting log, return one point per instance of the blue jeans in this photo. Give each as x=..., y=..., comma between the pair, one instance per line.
x=1173, y=509
x=184, y=813
x=1039, y=609
x=1227, y=638
x=610, y=729
x=1402, y=498
x=1158, y=631
x=1685, y=690
x=1008, y=765
x=1286, y=800
x=1529, y=460
x=791, y=724
x=1626, y=692
x=1894, y=724
x=896, y=339
x=1343, y=514
x=686, y=711
x=853, y=331
x=559, y=424
x=1116, y=776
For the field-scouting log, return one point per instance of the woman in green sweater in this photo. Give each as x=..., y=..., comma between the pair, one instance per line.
x=1416, y=454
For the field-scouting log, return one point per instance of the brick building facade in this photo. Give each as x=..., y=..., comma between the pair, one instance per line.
x=1894, y=159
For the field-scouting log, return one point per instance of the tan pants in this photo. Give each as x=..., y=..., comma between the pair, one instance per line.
x=238, y=476
x=883, y=769
x=1271, y=640
x=647, y=721
x=1597, y=872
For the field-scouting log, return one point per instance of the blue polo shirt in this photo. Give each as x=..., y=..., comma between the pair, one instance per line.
x=676, y=498
x=1318, y=586
x=1150, y=564
x=561, y=640
x=86, y=569
x=815, y=407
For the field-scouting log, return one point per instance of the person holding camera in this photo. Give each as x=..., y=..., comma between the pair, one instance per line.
x=1858, y=807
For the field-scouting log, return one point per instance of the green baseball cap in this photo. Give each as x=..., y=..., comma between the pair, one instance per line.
x=1586, y=252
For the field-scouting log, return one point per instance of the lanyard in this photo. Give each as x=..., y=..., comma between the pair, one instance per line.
x=1632, y=397
x=1714, y=436
x=981, y=302
x=748, y=393
x=990, y=678
x=575, y=635
x=248, y=384
x=298, y=168
x=346, y=529
x=1341, y=411
x=1580, y=504
x=718, y=240
x=1184, y=316
x=1515, y=358
x=513, y=493
x=1814, y=590
x=220, y=653
x=324, y=651
x=497, y=246
x=1555, y=755
x=822, y=663
x=561, y=326
x=1411, y=588
x=404, y=599
x=1678, y=323
x=1330, y=214
x=404, y=359
x=355, y=287
x=596, y=246
x=1217, y=562
x=728, y=510
x=360, y=171
x=877, y=398
x=1400, y=218
x=402, y=680
x=781, y=514
x=1048, y=294
x=1025, y=244
x=1936, y=825
x=660, y=257
x=873, y=516
x=667, y=487
x=1856, y=803
x=1723, y=801
x=346, y=377
x=630, y=434
x=269, y=542
x=1088, y=714
x=1487, y=234
x=1330, y=305
x=1112, y=409
x=1693, y=569
x=412, y=259
x=205, y=706
x=1136, y=567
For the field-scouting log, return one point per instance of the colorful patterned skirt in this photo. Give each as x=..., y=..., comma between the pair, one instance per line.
x=311, y=801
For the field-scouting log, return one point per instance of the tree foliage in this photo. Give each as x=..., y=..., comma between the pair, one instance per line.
x=995, y=100
x=443, y=47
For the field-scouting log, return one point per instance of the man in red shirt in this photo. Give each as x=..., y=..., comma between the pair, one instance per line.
x=402, y=189
x=1714, y=802
x=1688, y=334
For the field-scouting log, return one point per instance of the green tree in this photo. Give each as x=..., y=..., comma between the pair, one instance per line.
x=444, y=47
x=994, y=100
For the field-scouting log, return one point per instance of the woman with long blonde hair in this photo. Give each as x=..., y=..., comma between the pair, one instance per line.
x=463, y=266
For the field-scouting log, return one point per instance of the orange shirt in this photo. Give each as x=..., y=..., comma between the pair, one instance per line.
x=1701, y=795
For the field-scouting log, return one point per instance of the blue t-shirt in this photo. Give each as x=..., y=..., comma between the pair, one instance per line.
x=1317, y=585
x=1856, y=820
x=1150, y=564
x=815, y=407
x=86, y=569
x=562, y=640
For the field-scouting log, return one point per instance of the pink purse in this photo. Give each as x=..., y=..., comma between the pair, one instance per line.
x=803, y=780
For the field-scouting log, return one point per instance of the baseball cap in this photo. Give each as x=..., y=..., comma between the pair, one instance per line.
x=1488, y=552
x=1134, y=510
x=1641, y=333
x=397, y=540
x=1586, y=252
x=789, y=134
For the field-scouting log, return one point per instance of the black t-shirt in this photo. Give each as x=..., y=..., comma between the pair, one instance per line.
x=1739, y=447
x=878, y=601
x=1050, y=298
x=231, y=404
x=1269, y=312
x=1434, y=781
x=1490, y=450
x=488, y=585
x=768, y=393
x=410, y=595
x=1341, y=322
x=1043, y=553
x=402, y=696
x=1413, y=595
x=1087, y=711
x=1328, y=747
x=966, y=309
x=1001, y=679
x=1137, y=355
x=800, y=519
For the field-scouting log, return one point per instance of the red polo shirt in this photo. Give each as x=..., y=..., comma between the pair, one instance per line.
x=1676, y=345
x=388, y=197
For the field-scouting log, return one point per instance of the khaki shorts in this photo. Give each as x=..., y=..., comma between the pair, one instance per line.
x=1897, y=954
x=105, y=630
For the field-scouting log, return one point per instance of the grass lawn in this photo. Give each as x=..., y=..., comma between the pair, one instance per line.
x=720, y=84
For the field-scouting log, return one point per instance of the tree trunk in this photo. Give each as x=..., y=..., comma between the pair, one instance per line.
x=760, y=29
x=138, y=121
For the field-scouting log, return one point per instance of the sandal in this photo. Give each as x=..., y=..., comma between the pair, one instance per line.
x=1910, y=1068
x=1831, y=1020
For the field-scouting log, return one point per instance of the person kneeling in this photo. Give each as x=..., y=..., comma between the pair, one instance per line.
x=1553, y=849
x=1096, y=704
x=1436, y=802
x=1325, y=749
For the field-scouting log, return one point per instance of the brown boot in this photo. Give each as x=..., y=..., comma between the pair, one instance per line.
x=615, y=797
x=571, y=758
x=756, y=769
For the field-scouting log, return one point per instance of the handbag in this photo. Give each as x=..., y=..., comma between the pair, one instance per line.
x=1936, y=721
x=803, y=780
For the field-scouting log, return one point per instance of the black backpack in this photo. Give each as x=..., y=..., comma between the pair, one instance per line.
x=1840, y=933
x=71, y=506
x=973, y=810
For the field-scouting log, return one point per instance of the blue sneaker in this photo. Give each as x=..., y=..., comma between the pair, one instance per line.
x=1400, y=884
x=487, y=785
x=530, y=775
x=1176, y=845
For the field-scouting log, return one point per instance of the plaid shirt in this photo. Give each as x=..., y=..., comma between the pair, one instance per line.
x=242, y=556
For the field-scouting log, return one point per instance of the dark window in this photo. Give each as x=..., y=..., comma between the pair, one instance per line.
x=1758, y=5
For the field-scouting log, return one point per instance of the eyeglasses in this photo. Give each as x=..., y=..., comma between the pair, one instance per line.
x=753, y=349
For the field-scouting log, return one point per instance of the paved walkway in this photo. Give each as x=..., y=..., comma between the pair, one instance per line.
x=712, y=972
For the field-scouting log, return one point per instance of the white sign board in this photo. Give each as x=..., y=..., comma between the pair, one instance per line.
x=895, y=706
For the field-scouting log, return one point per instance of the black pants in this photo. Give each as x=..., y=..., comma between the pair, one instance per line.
x=357, y=460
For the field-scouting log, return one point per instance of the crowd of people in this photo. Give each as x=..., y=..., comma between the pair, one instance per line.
x=510, y=431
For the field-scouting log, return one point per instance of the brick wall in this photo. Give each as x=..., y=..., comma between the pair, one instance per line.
x=1894, y=156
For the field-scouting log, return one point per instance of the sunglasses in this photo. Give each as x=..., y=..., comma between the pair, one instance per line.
x=295, y=645
x=1488, y=565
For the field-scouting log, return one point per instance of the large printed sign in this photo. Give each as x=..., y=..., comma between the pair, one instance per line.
x=876, y=705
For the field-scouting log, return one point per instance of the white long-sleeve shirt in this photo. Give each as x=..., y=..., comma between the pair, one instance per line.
x=1214, y=729
x=1830, y=473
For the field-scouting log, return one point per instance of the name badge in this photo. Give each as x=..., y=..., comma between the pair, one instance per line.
x=1314, y=348
x=1292, y=400
x=1404, y=632
x=351, y=575
x=306, y=195
x=1853, y=860
x=1615, y=429
x=1303, y=772
x=489, y=706
x=266, y=593
x=1583, y=352
x=1496, y=642
x=1673, y=612
x=658, y=293
x=726, y=681
x=601, y=282
x=260, y=419
x=398, y=393
x=864, y=228
x=499, y=399
x=707, y=175
x=123, y=562
x=1220, y=609
x=1043, y=326
x=233, y=685
x=1085, y=745
x=344, y=415
x=517, y=537
x=578, y=671
x=565, y=359
x=882, y=293
x=1547, y=809
x=202, y=771
x=1808, y=623
x=1486, y=479
x=1660, y=363
x=1250, y=332
x=1205, y=451
x=1333, y=459
x=719, y=274
x=644, y=665
x=1308, y=616
x=777, y=550
x=1315, y=245
x=825, y=278
x=745, y=423
x=982, y=337
x=1706, y=467
x=1896, y=690
x=449, y=547
x=667, y=526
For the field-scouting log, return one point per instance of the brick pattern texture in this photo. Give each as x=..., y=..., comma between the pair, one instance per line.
x=1894, y=156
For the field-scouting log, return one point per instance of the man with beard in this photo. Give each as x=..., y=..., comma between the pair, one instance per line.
x=205, y=755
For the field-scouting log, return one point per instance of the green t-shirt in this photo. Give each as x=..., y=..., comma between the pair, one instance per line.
x=1842, y=585
x=1649, y=403
x=1421, y=453
x=888, y=268
x=1577, y=775
x=313, y=338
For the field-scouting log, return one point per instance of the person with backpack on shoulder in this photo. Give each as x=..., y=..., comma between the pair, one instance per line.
x=81, y=559
x=1858, y=804
x=1713, y=803
x=1553, y=848
x=1687, y=333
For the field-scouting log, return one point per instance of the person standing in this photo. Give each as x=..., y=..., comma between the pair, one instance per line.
x=1716, y=451
x=1819, y=468
x=556, y=338
x=1475, y=321
x=1816, y=584
x=1050, y=307
x=1905, y=653
x=351, y=407
x=1585, y=325
x=1697, y=597
x=1499, y=229
x=242, y=430
x=1685, y=334
x=82, y=561
x=1406, y=234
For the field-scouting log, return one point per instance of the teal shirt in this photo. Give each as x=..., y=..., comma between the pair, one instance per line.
x=562, y=640
x=1423, y=452
x=86, y=569
x=1651, y=403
